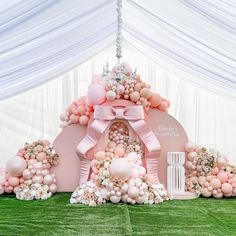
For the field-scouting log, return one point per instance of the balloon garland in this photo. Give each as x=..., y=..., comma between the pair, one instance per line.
x=208, y=173
x=28, y=173
x=105, y=88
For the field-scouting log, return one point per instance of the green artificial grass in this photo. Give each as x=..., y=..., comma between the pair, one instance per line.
x=56, y=216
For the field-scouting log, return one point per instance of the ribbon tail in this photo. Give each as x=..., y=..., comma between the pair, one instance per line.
x=153, y=147
x=152, y=168
x=84, y=170
x=94, y=132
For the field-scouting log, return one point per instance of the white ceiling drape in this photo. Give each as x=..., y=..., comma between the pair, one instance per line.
x=42, y=39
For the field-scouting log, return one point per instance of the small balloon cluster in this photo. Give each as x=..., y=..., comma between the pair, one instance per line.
x=118, y=174
x=27, y=174
x=208, y=173
x=120, y=83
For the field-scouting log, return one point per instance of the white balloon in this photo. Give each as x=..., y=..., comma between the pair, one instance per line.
x=115, y=199
x=120, y=168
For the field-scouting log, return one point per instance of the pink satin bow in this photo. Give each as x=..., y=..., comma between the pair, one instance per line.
x=103, y=115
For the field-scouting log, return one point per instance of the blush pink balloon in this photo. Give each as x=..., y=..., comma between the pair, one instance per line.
x=155, y=100
x=222, y=176
x=15, y=166
x=163, y=106
x=189, y=147
x=83, y=120
x=188, y=165
x=14, y=181
x=52, y=188
x=215, y=183
x=48, y=180
x=81, y=110
x=226, y=188
x=206, y=193
x=215, y=170
x=37, y=179
x=191, y=156
x=74, y=119
x=96, y=94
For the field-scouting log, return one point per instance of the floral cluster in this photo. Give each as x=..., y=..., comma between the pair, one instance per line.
x=120, y=83
x=208, y=173
x=27, y=174
x=118, y=174
x=87, y=194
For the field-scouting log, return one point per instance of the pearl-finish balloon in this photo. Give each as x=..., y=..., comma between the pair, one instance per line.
x=52, y=188
x=120, y=168
x=48, y=179
x=133, y=192
x=15, y=166
x=115, y=199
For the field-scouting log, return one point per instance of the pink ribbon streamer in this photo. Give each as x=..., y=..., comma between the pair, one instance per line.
x=103, y=115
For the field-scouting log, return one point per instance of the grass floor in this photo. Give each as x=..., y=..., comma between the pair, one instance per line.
x=56, y=216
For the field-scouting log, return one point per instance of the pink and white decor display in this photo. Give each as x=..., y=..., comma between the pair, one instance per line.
x=208, y=173
x=28, y=173
x=119, y=151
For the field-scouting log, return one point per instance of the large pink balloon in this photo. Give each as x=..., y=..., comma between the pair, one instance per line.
x=226, y=188
x=120, y=169
x=215, y=183
x=15, y=166
x=96, y=94
x=14, y=181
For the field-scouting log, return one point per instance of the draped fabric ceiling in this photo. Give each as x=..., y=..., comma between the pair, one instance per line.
x=42, y=39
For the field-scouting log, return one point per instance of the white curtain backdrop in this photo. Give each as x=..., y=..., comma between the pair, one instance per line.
x=42, y=39
x=208, y=118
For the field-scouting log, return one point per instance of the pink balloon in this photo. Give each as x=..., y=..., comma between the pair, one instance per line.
x=45, y=172
x=48, y=180
x=215, y=183
x=226, y=188
x=163, y=106
x=83, y=120
x=120, y=168
x=218, y=195
x=81, y=110
x=74, y=119
x=188, y=165
x=37, y=179
x=133, y=192
x=201, y=180
x=206, y=193
x=15, y=166
x=189, y=147
x=192, y=155
x=215, y=171
x=52, y=188
x=222, y=176
x=100, y=155
x=14, y=181
x=96, y=94
x=155, y=100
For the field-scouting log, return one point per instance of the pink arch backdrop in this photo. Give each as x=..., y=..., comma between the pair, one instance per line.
x=168, y=130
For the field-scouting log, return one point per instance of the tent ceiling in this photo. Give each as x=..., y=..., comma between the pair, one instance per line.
x=42, y=39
